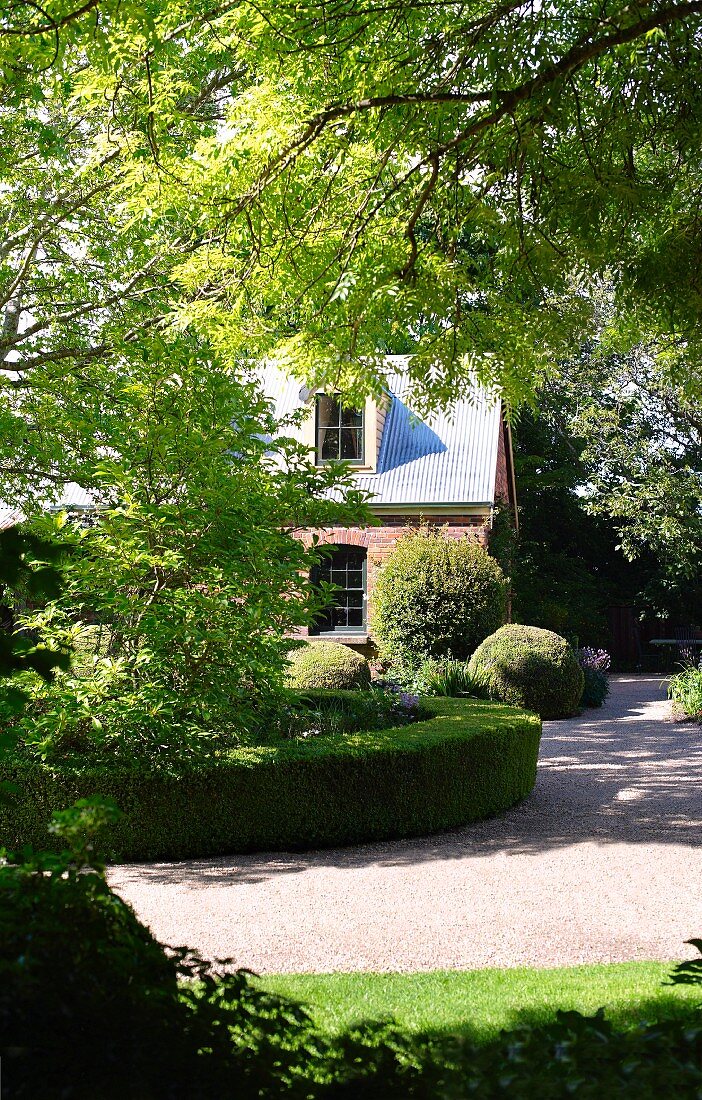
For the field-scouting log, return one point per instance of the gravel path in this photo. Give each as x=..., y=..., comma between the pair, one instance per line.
x=602, y=863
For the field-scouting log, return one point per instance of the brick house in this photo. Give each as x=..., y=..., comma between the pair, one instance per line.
x=449, y=469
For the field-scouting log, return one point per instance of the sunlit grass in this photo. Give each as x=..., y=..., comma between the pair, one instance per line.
x=483, y=1002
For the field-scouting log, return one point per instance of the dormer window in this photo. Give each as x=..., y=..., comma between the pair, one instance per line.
x=340, y=432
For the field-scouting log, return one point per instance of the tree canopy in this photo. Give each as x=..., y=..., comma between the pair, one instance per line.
x=609, y=475
x=191, y=189
x=323, y=183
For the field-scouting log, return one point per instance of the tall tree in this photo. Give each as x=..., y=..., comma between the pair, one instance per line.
x=610, y=482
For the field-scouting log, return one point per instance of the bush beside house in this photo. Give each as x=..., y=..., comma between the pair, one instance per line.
x=328, y=665
x=436, y=597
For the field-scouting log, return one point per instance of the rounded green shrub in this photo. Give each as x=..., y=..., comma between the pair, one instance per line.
x=436, y=596
x=328, y=665
x=530, y=667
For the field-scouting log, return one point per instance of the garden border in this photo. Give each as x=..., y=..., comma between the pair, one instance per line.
x=469, y=760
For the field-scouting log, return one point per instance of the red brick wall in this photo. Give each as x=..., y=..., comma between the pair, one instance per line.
x=381, y=539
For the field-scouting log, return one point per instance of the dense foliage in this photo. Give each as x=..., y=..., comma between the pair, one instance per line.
x=465, y=760
x=435, y=596
x=610, y=482
x=639, y=432
x=301, y=175
x=328, y=665
x=529, y=667
x=685, y=689
x=564, y=565
x=178, y=594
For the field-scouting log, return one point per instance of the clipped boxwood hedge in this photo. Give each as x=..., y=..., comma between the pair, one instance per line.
x=469, y=760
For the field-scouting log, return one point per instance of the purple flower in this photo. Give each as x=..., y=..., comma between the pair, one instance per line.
x=598, y=660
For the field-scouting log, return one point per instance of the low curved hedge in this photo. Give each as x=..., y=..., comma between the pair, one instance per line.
x=468, y=760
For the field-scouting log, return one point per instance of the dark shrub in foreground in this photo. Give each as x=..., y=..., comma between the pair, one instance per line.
x=530, y=667
x=91, y=1006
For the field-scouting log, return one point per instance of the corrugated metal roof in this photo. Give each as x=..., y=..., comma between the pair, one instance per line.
x=446, y=458
x=72, y=497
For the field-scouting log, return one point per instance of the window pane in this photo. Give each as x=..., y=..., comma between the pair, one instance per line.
x=329, y=443
x=351, y=443
x=352, y=418
x=345, y=568
x=327, y=412
x=323, y=622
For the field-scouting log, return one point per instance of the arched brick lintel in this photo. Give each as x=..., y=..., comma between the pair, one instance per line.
x=340, y=536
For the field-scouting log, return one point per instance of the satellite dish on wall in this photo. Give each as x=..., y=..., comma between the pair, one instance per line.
x=304, y=394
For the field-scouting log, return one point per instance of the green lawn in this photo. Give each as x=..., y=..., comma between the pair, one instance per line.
x=482, y=1002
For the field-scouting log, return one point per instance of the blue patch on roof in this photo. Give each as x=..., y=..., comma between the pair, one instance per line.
x=406, y=438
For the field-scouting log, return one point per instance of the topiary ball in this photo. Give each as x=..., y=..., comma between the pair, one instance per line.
x=328, y=665
x=531, y=668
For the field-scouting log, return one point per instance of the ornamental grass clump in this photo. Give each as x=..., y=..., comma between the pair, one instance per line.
x=528, y=667
x=435, y=597
x=447, y=678
x=685, y=690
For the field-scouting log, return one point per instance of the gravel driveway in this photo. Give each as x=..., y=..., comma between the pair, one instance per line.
x=602, y=863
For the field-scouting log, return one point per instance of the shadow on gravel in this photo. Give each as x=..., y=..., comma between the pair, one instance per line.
x=626, y=773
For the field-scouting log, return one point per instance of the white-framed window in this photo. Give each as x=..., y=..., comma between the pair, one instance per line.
x=339, y=432
x=345, y=568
